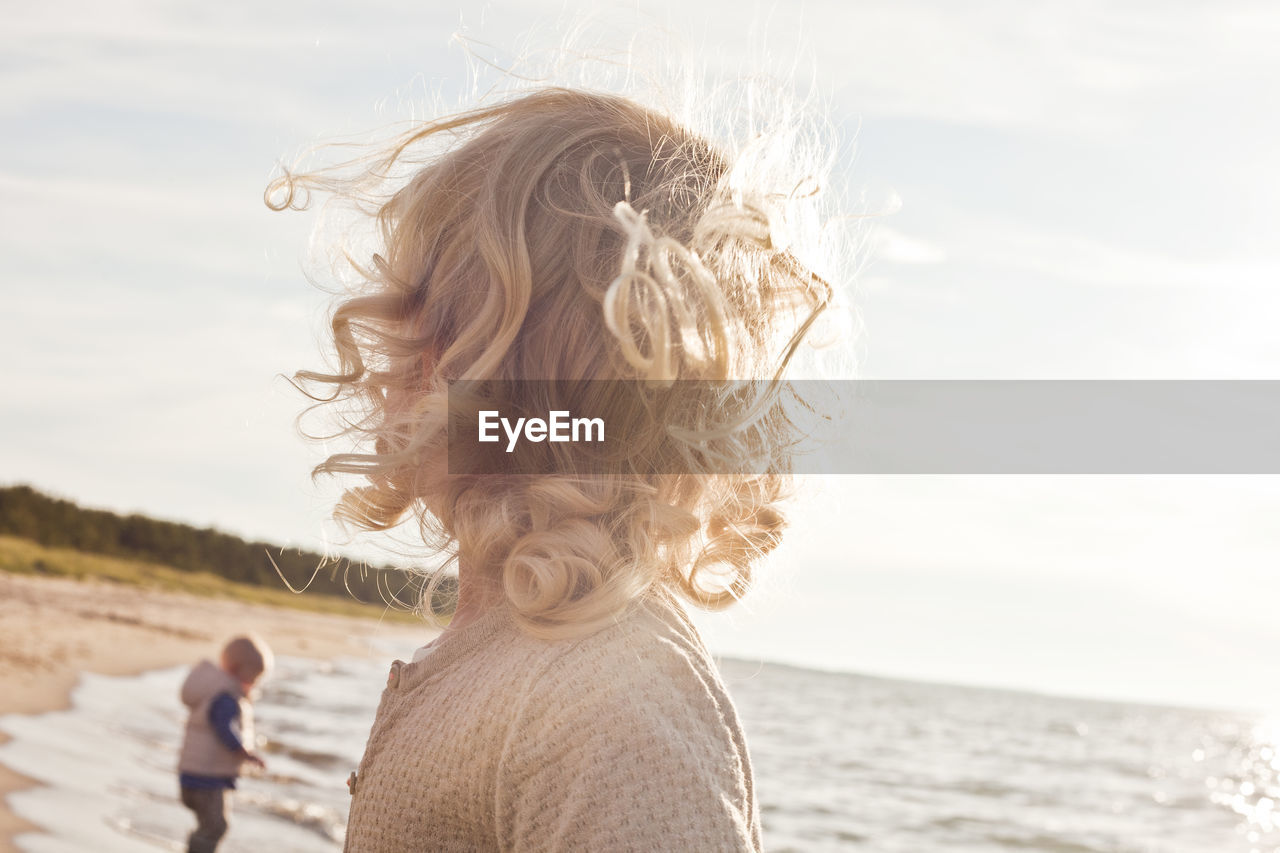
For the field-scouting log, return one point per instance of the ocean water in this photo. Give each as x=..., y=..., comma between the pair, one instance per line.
x=849, y=762
x=842, y=762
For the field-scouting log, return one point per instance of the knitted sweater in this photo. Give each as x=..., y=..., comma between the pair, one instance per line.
x=623, y=740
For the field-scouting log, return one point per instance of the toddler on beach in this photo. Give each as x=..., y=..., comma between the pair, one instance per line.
x=219, y=734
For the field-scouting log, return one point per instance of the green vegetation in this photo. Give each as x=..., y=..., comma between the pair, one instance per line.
x=44, y=535
x=22, y=556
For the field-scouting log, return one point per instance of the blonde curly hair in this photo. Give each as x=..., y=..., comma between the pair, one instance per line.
x=570, y=235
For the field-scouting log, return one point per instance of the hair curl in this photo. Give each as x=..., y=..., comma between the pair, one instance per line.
x=570, y=235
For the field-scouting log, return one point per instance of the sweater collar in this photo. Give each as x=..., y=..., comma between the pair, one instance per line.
x=453, y=645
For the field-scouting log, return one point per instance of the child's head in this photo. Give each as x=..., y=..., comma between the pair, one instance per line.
x=247, y=659
x=570, y=235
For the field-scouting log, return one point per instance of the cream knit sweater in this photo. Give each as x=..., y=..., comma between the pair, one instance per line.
x=622, y=740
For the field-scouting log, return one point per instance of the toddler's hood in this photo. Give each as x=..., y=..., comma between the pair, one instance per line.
x=207, y=680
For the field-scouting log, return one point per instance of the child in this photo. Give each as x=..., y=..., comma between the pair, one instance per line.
x=569, y=235
x=219, y=735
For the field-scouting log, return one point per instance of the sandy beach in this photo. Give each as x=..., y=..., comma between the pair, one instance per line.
x=52, y=630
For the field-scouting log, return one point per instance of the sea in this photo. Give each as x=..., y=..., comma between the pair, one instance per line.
x=842, y=762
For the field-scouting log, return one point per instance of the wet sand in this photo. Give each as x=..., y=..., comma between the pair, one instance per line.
x=52, y=630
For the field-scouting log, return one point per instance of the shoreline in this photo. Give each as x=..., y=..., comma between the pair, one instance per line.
x=52, y=630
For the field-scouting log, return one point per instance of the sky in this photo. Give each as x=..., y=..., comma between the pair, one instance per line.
x=1064, y=191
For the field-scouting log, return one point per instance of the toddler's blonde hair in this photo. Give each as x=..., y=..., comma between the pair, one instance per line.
x=249, y=653
x=570, y=235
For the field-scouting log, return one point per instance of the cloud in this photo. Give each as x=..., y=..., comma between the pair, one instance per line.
x=893, y=246
x=1087, y=69
x=1016, y=246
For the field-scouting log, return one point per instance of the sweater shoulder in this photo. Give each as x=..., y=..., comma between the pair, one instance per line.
x=627, y=739
x=653, y=652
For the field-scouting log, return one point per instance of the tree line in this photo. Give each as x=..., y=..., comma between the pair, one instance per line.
x=55, y=523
